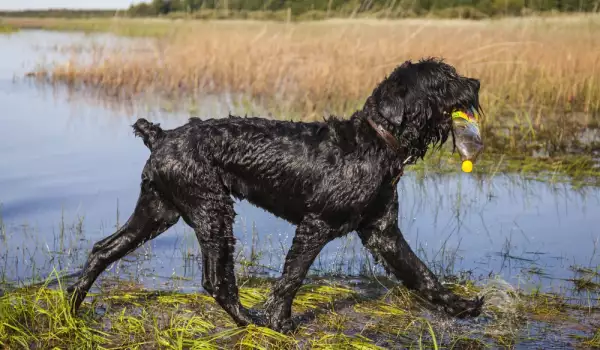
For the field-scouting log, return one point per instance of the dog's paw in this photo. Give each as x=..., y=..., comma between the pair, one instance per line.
x=283, y=326
x=463, y=308
x=258, y=317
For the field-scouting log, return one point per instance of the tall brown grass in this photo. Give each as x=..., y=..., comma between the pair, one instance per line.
x=536, y=74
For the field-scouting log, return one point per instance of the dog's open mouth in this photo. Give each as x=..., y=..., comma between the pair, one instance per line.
x=467, y=136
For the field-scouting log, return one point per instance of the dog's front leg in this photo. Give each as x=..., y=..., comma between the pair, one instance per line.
x=381, y=235
x=311, y=236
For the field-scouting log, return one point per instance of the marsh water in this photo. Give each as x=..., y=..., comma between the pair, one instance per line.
x=70, y=170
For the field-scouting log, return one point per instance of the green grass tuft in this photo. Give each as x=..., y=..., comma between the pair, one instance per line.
x=7, y=28
x=41, y=317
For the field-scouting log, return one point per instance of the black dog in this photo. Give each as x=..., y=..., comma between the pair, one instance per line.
x=328, y=178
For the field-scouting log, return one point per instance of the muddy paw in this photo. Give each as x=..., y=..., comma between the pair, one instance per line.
x=465, y=308
x=283, y=326
x=258, y=317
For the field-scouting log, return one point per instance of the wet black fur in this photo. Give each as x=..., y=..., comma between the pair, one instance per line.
x=328, y=178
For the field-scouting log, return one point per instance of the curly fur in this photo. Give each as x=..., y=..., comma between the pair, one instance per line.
x=329, y=178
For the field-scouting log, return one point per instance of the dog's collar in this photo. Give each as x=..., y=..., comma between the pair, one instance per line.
x=385, y=135
x=392, y=143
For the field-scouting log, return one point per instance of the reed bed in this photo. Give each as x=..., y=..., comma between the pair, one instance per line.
x=540, y=76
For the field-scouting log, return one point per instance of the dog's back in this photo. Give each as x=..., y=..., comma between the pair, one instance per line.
x=284, y=167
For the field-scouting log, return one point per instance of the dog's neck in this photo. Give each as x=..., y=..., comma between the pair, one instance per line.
x=385, y=130
x=385, y=135
x=372, y=126
x=401, y=145
x=392, y=142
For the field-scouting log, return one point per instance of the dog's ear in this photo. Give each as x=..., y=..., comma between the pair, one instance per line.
x=392, y=108
x=391, y=96
x=398, y=98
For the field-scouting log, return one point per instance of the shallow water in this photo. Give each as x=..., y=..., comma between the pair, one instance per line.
x=66, y=160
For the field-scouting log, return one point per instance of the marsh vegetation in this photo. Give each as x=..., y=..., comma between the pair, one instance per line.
x=7, y=28
x=347, y=302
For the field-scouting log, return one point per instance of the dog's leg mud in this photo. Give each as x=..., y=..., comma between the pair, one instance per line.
x=311, y=236
x=383, y=238
x=151, y=217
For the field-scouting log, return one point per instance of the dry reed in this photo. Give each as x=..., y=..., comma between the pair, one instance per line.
x=539, y=75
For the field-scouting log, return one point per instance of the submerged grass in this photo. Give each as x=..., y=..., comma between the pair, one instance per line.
x=592, y=342
x=578, y=170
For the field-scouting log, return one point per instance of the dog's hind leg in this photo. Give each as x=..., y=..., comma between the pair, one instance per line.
x=208, y=209
x=151, y=217
x=381, y=235
x=311, y=236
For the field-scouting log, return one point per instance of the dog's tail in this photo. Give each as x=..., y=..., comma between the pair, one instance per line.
x=149, y=132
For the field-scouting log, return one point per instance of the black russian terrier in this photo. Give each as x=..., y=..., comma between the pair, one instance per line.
x=328, y=178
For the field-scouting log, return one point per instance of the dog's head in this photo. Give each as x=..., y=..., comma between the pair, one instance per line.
x=418, y=101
